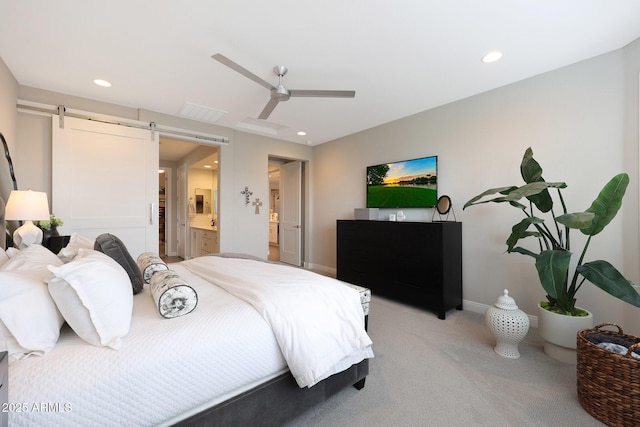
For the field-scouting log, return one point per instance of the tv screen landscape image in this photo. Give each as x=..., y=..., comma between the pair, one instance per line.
x=406, y=184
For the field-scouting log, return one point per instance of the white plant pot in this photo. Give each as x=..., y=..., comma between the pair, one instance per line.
x=560, y=333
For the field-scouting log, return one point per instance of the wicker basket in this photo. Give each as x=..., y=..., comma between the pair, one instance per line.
x=608, y=382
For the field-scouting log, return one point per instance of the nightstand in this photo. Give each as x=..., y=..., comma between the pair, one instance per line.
x=56, y=243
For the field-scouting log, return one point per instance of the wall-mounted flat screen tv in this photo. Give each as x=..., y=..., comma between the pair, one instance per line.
x=406, y=184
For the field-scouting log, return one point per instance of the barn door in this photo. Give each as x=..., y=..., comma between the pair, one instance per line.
x=105, y=180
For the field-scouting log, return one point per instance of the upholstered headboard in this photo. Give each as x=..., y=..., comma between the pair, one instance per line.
x=3, y=231
x=7, y=182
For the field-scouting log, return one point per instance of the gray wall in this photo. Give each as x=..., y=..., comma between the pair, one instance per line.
x=581, y=122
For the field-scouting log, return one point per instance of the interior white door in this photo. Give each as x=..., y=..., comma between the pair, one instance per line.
x=182, y=211
x=105, y=180
x=291, y=213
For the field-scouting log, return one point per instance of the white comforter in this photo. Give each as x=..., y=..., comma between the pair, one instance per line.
x=318, y=322
x=166, y=369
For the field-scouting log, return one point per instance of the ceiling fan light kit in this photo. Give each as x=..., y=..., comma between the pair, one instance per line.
x=280, y=93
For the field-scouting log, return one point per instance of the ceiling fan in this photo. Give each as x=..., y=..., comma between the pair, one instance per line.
x=280, y=93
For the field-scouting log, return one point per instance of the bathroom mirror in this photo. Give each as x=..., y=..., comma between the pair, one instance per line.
x=203, y=201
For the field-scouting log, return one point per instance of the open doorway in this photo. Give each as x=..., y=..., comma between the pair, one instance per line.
x=287, y=212
x=274, y=209
x=163, y=194
x=185, y=163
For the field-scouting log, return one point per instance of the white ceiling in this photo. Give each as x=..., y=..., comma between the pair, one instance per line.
x=401, y=57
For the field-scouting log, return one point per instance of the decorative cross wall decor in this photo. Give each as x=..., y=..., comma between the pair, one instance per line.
x=257, y=203
x=246, y=194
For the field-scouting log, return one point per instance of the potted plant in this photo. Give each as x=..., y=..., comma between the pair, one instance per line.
x=49, y=227
x=553, y=256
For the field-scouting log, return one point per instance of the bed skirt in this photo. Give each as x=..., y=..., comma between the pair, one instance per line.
x=277, y=401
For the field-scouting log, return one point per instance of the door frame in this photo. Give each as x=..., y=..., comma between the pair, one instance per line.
x=181, y=212
x=169, y=214
x=302, y=201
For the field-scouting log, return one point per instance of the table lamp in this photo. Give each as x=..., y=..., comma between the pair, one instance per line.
x=27, y=206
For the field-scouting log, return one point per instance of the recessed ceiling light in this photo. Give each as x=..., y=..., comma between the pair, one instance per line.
x=207, y=166
x=102, y=83
x=302, y=133
x=492, y=57
x=160, y=170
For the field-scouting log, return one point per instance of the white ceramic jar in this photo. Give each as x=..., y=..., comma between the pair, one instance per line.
x=508, y=324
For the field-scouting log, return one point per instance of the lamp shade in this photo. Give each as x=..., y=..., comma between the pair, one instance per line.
x=27, y=206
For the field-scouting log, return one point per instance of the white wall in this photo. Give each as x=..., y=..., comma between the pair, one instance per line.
x=573, y=118
x=242, y=163
x=631, y=158
x=581, y=121
x=251, y=169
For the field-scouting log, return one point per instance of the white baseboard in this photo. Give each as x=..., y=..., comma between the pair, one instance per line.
x=474, y=307
x=477, y=307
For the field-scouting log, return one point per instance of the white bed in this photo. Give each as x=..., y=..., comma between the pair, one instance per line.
x=167, y=370
x=247, y=354
x=102, y=386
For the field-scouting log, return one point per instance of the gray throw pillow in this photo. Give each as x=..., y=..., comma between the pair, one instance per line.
x=112, y=246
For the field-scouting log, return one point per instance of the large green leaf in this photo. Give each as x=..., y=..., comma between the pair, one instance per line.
x=523, y=251
x=517, y=205
x=606, y=277
x=577, y=220
x=542, y=200
x=531, y=171
x=606, y=205
x=532, y=189
x=519, y=231
x=553, y=267
x=501, y=190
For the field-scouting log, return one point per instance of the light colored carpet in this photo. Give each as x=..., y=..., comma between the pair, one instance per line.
x=432, y=372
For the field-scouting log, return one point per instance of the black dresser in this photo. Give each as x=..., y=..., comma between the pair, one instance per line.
x=419, y=263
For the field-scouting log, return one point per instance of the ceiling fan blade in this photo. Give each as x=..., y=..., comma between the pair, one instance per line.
x=240, y=69
x=324, y=93
x=268, y=109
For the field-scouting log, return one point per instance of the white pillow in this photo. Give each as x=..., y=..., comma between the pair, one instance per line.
x=76, y=242
x=32, y=257
x=11, y=252
x=3, y=257
x=93, y=293
x=29, y=319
